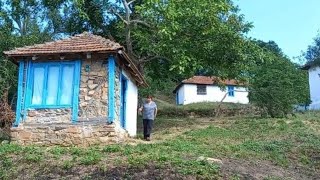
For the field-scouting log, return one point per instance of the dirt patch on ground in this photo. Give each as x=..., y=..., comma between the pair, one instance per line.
x=116, y=173
x=264, y=169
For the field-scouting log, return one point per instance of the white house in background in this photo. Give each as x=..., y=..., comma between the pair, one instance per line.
x=314, y=83
x=206, y=89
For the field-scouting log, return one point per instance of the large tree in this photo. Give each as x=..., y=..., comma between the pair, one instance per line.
x=277, y=85
x=21, y=23
x=312, y=55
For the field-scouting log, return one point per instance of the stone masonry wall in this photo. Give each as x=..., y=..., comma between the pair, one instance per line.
x=93, y=97
x=78, y=134
x=117, y=94
x=49, y=116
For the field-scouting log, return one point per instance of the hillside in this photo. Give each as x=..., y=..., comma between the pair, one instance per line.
x=184, y=148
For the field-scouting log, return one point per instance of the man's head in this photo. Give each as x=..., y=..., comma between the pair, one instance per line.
x=149, y=98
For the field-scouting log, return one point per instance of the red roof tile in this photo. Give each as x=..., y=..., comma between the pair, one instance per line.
x=209, y=80
x=84, y=42
x=80, y=43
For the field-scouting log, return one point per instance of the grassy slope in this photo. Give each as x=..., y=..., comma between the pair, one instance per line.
x=249, y=148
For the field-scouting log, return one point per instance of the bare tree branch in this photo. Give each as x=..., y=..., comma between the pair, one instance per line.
x=119, y=16
x=131, y=2
x=140, y=22
x=148, y=59
x=127, y=9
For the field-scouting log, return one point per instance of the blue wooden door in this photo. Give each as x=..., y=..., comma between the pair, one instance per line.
x=123, y=103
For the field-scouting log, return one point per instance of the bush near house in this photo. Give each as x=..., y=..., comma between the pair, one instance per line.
x=7, y=117
x=204, y=109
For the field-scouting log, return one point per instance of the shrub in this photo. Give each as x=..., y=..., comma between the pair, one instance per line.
x=6, y=117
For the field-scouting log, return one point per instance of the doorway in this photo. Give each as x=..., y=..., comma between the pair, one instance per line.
x=123, y=101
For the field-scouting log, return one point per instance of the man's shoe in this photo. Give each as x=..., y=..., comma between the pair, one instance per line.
x=148, y=139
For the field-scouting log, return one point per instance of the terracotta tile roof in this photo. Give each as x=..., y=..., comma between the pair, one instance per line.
x=84, y=42
x=207, y=80
x=80, y=43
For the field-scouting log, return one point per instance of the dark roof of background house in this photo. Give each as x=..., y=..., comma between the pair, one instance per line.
x=310, y=64
x=208, y=80
x=81, y=43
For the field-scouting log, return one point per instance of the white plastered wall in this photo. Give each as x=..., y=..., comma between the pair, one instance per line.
x=131, y=106
x=180, y=95
x=314, y=83
x=214, y=94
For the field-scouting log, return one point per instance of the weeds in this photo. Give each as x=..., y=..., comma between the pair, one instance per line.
x=91, y=157
x=67, y=164
x=284, y=142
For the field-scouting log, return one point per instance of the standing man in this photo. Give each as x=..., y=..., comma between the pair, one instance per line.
x=149, y=113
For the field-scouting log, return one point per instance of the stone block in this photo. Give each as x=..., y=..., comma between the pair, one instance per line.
x=101, y=73
x=96, y=96
x=93, y=73
x=58, y=128
x=24, y=135
x=72, y=129
x=87, y=98
x=83, y=104
x=76, y=141
x=83, y=90
x=56, y=141
x=32, y=113
x=84, y=79
x=90, y=82
x=92, y=86
x=87, y=133
x=91, y=92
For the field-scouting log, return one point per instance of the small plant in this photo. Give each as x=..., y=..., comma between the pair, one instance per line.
x=92, y=157
x=9, y=148
x=6, y=162
x=77, y=151
x=67, y=164
x=112, y=149
x=103, y=168
x=34, y=157
x=57, y=151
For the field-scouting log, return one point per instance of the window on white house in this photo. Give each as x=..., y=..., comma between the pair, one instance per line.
x=201, y=89
x=51, y=84
x=231, y=91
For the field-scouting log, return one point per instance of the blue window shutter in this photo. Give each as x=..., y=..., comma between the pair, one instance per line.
x=231, y=91
x=60, y=85
x=76, y=89
x=25, y=88
x=121, y=100
x=44, y=89
x=45, y=86
x=20, y=88
x=111, y=90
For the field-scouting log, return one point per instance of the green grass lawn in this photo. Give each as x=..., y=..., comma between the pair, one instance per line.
x=250, y=148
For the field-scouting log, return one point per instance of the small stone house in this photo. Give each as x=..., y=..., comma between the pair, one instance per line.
x=81, y=90
x=206, y=89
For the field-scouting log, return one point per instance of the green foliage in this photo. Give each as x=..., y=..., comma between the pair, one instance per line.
x=276, y=85
x=208, y=35
x=67, y=164
x=312, y=55
x=91, y=157
x=112, y=149
x=285, y=143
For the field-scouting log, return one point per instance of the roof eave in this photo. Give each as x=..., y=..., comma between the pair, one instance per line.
x=142, y=82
